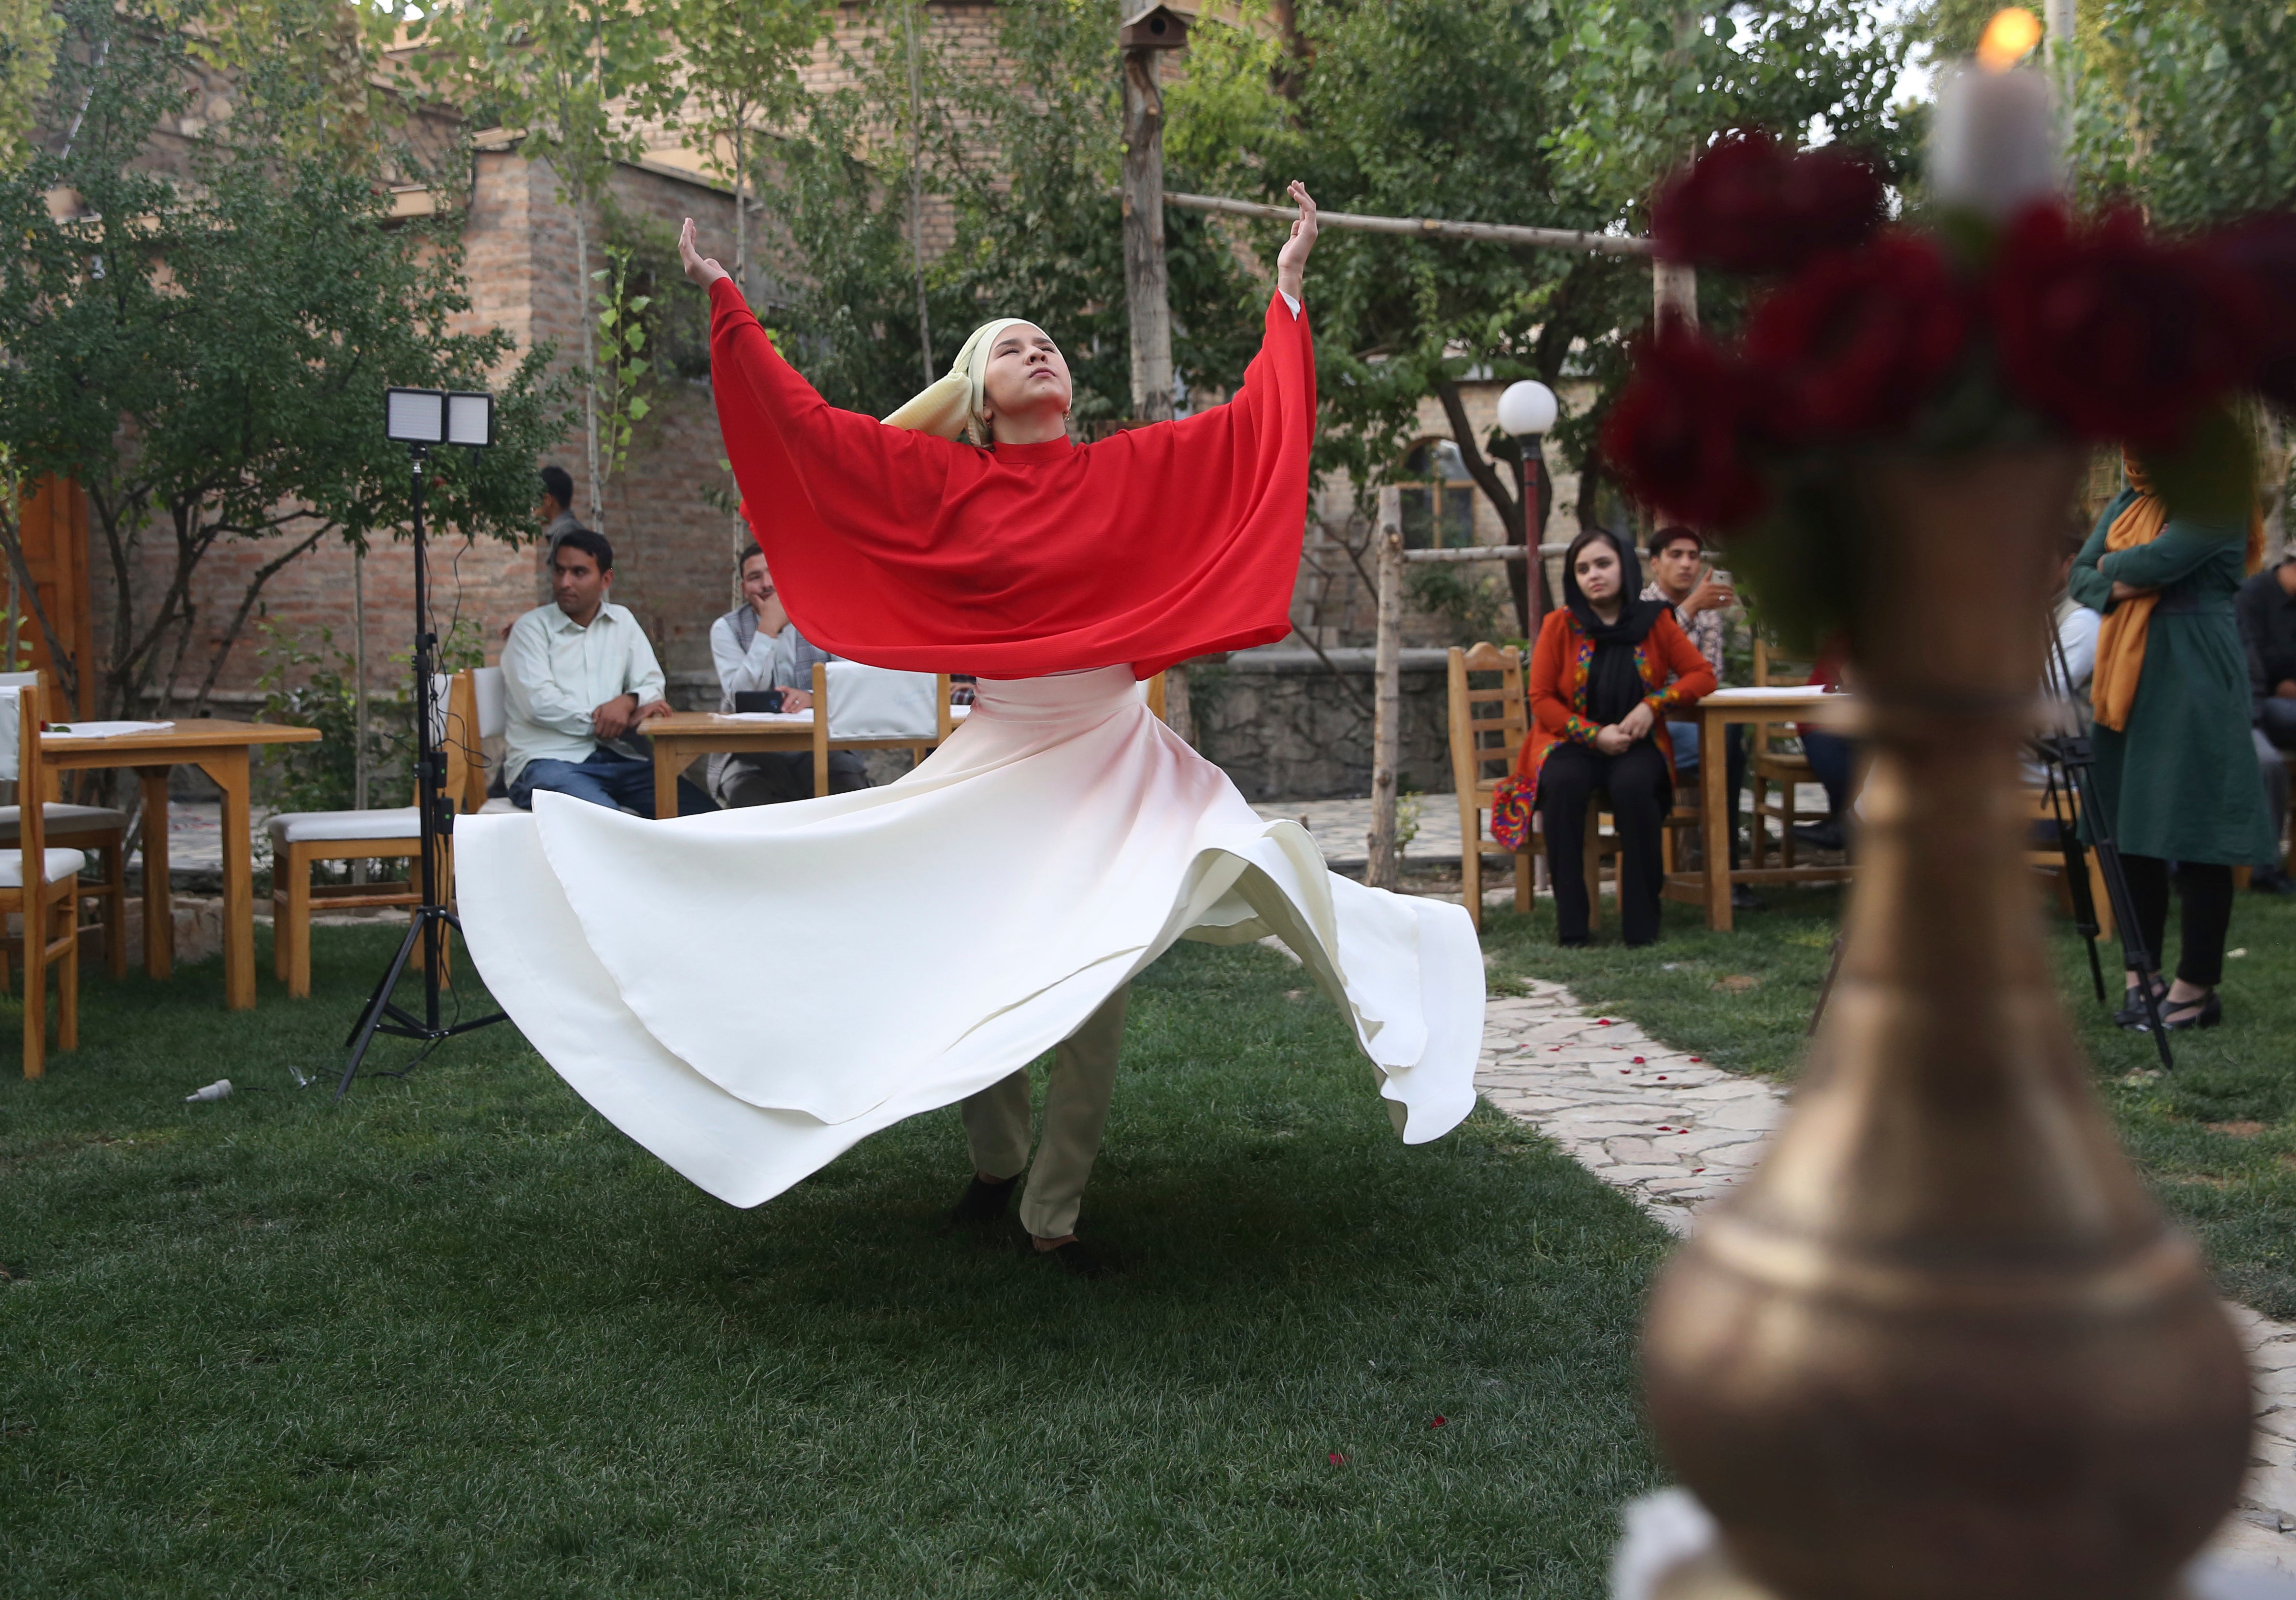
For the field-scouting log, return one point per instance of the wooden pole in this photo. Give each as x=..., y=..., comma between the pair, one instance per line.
x=1146, y=292
x=1425, y=227
x=1673, y=290
x=1384, y=869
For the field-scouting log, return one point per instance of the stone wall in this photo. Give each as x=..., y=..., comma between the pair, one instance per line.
x=1284, y=726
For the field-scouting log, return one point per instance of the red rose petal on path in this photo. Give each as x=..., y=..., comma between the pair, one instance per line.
x=1337, y=1459
x=1697, y=1058
x=1638, y=1061
x=1437, y=1422
x=1694, y=1171
x=1662, y=1078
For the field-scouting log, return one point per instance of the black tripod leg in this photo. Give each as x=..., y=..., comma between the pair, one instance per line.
x=362, y=1035
x=2139, y=958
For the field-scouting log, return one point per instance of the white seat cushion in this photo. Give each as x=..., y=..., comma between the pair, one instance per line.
x=62, y=819
x=877, y=703
x=60, y=864
x=320, y=827
x=497, y=805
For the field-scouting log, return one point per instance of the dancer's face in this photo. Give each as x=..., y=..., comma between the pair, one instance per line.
x=1026, y=375
x=1597, y=570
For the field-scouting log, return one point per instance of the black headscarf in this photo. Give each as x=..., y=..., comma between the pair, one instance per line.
x=1613, y=687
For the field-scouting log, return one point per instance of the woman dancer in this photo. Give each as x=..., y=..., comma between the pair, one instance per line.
x=2175, y=768
x=1063, y=836
x=1607, y=671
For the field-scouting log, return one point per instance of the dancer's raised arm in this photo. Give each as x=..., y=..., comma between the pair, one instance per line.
x=1291, y=260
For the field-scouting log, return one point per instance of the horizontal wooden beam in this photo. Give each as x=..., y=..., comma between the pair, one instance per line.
x=1424, y=228
x=1466, y=553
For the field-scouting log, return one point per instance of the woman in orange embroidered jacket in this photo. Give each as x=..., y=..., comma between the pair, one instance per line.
x=1607, y=671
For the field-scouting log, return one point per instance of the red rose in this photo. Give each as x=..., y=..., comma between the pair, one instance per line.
x=1676, y=436
x=1854, y=343
x=1751, y=204
x=2115, y=334
x=2260, y=255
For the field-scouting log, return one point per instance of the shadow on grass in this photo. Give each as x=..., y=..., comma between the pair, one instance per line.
x=459, y=1335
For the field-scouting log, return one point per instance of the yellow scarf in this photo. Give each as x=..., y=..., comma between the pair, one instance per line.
x=2121, y=640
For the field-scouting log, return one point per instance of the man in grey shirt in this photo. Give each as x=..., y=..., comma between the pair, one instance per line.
x=557, y=508
x=756, y=648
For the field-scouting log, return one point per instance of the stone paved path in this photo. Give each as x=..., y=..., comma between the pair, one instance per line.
x=1674, y=1133
x=1341, y=826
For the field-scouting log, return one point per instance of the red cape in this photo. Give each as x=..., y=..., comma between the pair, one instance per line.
x=904, y=550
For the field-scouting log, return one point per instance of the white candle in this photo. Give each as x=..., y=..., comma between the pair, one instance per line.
x=1993, y=143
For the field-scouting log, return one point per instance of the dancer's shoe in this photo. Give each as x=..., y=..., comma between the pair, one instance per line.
x=982, y=1202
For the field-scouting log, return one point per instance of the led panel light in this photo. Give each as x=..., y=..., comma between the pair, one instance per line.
x=469, y=419
x=414, y=416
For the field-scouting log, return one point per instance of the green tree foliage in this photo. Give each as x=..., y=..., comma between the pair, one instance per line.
x=1022, y=156
x=207, y=357
x=1560, y=113
x=29, y=30
x=569, y=75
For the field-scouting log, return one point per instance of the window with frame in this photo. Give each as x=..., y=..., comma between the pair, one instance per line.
x=1439, y=498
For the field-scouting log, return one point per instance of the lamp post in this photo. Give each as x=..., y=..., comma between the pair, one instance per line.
x=1527, y=411
x=421, y=419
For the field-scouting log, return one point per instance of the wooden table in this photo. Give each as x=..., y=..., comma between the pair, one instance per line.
x=220, y=750
x=683, y=736
x=1716, y=713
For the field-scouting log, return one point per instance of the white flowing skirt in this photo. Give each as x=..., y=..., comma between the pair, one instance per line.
x=750, y=993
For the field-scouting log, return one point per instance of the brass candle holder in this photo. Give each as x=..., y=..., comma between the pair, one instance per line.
x=1944, y=1346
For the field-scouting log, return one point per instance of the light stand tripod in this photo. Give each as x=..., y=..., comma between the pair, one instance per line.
x=2074, y=757
x=422, y=418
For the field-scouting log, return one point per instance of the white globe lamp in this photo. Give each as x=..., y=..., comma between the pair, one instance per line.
x=1527, y=408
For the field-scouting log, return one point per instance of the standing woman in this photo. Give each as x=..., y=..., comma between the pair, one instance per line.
x=751, y=994
x=1607, y=672
x=2175, y=768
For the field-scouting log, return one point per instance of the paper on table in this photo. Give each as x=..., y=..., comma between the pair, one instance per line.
x=99, y=730
x=1725, y=696
x=763, y=716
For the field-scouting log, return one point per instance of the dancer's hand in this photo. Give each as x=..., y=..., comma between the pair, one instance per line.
x=1292, y=261
x=700, y=268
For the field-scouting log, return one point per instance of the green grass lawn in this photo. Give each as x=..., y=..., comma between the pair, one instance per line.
x=459, y=1337
x=2216, y=1137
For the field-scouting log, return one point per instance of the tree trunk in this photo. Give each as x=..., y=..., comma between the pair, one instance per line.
x=741, y=205
x=1384, y=867
x=1145, y=292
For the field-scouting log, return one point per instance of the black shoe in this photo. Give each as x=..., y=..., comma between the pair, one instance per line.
x=1743, y=899
x=1819, y=835
x=983, y=1203
x=1075, y=1259
x=2206, y=1011
x=2271, y=880
x=2131, y=1014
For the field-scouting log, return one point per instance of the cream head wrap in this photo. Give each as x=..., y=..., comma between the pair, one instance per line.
x=952, y=407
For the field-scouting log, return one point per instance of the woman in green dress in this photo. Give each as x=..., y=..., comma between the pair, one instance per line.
x=2176, y=769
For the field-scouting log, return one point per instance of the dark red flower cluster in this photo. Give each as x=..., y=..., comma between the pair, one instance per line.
x=2112, y=332
x=1749, y=203
x=1853, y=344
x=1676, y=436
x=2259, y=255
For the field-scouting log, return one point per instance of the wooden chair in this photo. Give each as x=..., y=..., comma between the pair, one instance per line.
x=1765, y=765
x=2050, y=860
x=301, y=840
x=100, y=830
x=49, y=902
x=1488, y=727
x=873, y=708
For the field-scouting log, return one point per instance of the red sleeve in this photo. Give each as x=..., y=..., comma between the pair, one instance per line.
x=903, y=550
x=1693, y=677
x=1549, y=708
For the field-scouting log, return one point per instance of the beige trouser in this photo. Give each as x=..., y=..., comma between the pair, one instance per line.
x=1076, y=1111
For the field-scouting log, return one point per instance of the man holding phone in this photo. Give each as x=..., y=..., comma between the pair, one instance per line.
x=1681, y=577
x=765, y=664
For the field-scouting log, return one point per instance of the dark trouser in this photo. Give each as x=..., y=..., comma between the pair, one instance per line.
x=1687, y=755
x=1829, y=763
x=2277, y=718
x=771, y=777
x=1636, y=782
x=2206, y=890
x=607, y=778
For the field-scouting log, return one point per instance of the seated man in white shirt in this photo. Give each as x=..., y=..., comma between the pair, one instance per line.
x=578, y=674
x=758, y=649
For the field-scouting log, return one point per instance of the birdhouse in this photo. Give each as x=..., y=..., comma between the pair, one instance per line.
x=1156, y=28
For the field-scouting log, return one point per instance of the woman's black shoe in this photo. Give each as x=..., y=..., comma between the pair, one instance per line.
x=983, y=1201
x=2206, y=1011
x=2132, y=1015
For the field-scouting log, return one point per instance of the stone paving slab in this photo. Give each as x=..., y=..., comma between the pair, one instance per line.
x=1675, y=1133
x=1342, y=827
